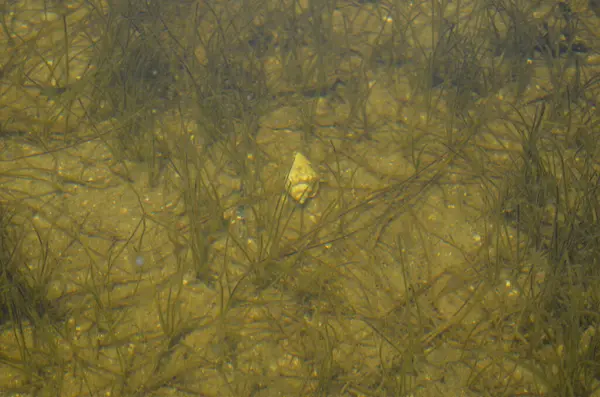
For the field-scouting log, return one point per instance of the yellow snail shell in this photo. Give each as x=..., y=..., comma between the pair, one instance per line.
x=302, y=182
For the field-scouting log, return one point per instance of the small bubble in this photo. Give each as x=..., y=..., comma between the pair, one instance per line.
x=139, y=260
